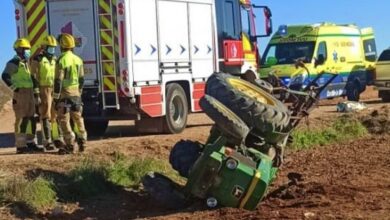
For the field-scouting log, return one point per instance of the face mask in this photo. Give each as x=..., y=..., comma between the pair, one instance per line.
x=27, y=54
x=51, y=50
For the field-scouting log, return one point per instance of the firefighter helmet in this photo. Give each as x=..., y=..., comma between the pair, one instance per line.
x=22, y=43
x=50, y=41
x=67, y=41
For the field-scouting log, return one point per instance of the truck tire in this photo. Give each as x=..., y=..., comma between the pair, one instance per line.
x=96, y=128
x=353, y=91
x=183, y=156
x=176, y=109
x=225, y=120
x=258, y=109
x=384, y=95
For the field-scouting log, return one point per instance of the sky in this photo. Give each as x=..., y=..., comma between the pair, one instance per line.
x=364, y=13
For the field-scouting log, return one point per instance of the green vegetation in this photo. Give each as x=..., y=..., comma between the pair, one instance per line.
x=35, y=194
x=344, y=128
x=88, y=179
x=129, y=172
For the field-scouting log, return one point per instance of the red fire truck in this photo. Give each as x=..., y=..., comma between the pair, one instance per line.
x=148, y=60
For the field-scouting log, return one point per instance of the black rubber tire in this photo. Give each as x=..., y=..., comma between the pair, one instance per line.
x=175, y=119
x=353, y=91
x=96, y=128
x=385, y=95
x=164, y=191
x=265, y=119
x=225, y=120
x=183, y=156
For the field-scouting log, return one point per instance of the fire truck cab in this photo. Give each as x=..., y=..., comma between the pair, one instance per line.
x=148, y=60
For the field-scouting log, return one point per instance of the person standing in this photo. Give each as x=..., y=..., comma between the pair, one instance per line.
x=43, y=67
x=68, y=86
x=18, y=77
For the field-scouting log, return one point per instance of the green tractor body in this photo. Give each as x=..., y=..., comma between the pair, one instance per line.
x=233, y=180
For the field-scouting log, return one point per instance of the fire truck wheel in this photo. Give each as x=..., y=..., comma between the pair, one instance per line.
x=176, y=109
x=96, y=128
x=225, y=120
x=183, y=156
x=262, y=112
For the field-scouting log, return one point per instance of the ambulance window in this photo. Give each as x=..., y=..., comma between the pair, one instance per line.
x=322, y=50
x=370, y=50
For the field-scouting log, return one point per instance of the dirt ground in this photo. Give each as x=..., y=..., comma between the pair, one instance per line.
x=342, y=181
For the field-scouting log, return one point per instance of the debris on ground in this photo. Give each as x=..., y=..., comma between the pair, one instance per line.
x=378, y=122
x=350, y=106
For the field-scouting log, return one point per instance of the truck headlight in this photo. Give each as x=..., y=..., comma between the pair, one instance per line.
x=231, y=164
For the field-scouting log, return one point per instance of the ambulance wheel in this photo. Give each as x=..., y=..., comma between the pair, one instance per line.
x=353, y=91
x=96, y=128
x=262, y=112
x=228, y=123
x=176, y=109
x=183, y=156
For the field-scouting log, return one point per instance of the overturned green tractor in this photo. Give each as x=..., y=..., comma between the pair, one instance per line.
x=245, y=149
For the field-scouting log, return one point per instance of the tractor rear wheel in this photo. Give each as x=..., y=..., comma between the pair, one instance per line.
x=225, y=120
x=262, y=112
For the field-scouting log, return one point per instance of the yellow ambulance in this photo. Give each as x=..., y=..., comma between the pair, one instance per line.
x=345, y=50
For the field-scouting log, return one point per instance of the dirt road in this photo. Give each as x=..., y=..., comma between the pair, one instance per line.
x=341, y=181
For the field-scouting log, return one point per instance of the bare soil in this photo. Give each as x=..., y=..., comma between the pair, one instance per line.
x=340, y=181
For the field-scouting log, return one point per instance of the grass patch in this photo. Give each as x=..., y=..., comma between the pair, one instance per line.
x=344, y=128
x=128, y=172
x=36, y=194
x=88, y=179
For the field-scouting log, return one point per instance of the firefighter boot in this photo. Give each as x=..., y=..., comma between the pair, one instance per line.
x=82, y=144
x=46, y=128
x=67, y=149
x=33, y=148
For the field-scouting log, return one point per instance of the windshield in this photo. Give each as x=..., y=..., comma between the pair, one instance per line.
x=287, y=53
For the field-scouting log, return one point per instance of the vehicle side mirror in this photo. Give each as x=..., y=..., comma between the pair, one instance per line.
x=267, y=20
x=271, y=61
x=320, y=60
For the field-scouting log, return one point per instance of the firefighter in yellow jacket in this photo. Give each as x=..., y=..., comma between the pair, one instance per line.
x=68, y=85
x=18, y=77
x=43, y=67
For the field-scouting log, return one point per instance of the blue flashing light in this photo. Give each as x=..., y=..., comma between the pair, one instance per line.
x=286, y=80
x=283, y=30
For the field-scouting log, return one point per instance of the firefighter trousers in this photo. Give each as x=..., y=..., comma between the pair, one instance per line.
x=24, y=108
x=48, y=116
x=71, y=109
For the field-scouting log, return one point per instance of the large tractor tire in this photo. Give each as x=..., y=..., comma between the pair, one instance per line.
x=176, y=109
x=264, y=114
x=96, y=128
x=225, y=120
x=183, y=156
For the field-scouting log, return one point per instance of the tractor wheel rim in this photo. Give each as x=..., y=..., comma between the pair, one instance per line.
x=251, y=91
